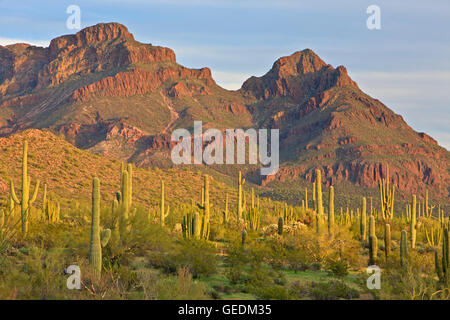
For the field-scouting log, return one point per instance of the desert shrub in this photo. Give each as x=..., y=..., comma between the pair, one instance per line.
x=199, y=257
x=332, y=290
x=179, y=287
x=414, y=281
x=33, y=273
x=235, y=261
x=337, y=268
x=266, y=284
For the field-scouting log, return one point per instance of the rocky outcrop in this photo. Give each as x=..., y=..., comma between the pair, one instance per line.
x=295, y=77
x=125, y=84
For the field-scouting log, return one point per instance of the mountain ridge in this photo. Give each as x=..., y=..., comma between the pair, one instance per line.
x=113, y=95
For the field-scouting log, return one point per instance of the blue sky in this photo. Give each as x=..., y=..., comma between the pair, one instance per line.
x=406, y=64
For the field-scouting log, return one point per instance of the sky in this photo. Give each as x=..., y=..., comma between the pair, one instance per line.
x=405, y=63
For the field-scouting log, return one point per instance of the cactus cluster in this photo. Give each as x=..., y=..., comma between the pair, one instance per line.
x=51, y=209
x=443, y=265
x=387, y=198
x=253, y=219
x=196, y=219
x=433, y=235
x=193, y=225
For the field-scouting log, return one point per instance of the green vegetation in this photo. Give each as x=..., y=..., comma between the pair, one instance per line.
x=139, y=249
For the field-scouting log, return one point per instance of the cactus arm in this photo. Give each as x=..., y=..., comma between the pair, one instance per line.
x=105, y=236
x=167, y=211
x=36, y=189
x=13, y=193
x=392, y=202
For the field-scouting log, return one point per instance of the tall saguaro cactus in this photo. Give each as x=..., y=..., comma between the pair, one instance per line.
x=314, y=197
x=306, y=198
x=443, y=268
x=363, y=221
x=99, y=238
x=331, y=211
x=163, y=213
x=123, y=203
x=130, y=184
x=373, y=249
x=373, y=240
x=225, y=212
x=240, y=206
x=206, y=210
x=25, y=202
x=319, y=192
x=412, y=224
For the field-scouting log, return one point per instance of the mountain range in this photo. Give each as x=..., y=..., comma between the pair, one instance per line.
x=105, y=92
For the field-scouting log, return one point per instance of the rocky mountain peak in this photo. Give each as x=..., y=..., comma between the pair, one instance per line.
x=98, y=33
x=297, y=77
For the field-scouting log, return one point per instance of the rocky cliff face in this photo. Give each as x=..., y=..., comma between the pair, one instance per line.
x=113, y=95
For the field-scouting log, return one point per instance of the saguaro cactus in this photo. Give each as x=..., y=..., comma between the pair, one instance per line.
x=372, y=226
x=225, y=212
x=306, y=198
x=280, y=226
x=443, y=267
x=130, y=184
x=207, y=204
x=163, y=213
x=387, y=198
x=363, y=221
x=319, y=192
x=403, y=248
x=98, y=239
x=25, y=202
x=373, y=240
x=124, y=204
x=240, y=207
x=387, y=240
x=412, y=224
x=244, y=237
x=373, y=249
x=331, y=211
x=253, y=219
x=314, y=197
